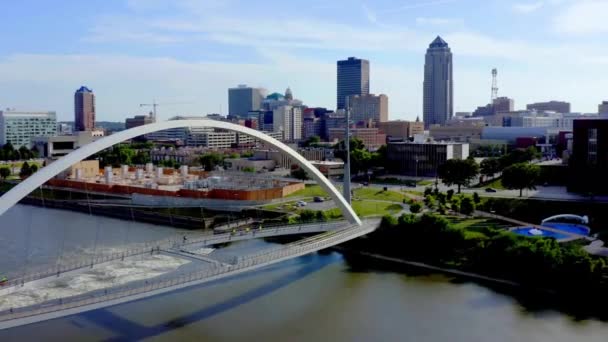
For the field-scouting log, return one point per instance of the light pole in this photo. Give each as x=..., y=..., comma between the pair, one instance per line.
x=346, y=186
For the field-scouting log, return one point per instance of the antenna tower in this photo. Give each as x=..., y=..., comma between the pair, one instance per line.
x=494, y=85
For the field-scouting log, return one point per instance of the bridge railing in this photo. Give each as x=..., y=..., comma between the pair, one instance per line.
x=17, y=279
x=255, y=261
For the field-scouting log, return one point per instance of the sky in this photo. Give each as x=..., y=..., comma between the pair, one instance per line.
x=185, y=54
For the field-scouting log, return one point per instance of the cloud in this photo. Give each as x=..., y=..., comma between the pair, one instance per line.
x=528, y=7
x=582, y=17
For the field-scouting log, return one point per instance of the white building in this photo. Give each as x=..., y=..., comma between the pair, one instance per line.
x=58, y=146
x=20, y=127
x=288, y=119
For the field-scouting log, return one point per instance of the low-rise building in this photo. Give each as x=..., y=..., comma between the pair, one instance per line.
x=242, y=164
x=422, y=159
x=455, y=133
x=553, y=106
x=139, y=120
x=330, y=168
x=58, y=146
x=401, y=129
x=372, y=138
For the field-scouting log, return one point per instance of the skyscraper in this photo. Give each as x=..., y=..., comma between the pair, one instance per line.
x=438, y=86
x=353, y=79
x=243, y=99
x=368, y=107
x=84, y=109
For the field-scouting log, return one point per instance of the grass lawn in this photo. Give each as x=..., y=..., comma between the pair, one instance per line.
x=370, y=208
x=310, y=191
x=379, y=194
x=494, y=184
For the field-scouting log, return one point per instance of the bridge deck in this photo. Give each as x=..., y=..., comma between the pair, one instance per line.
x=108, y=297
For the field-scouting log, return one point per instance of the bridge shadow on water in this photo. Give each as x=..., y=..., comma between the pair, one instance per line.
x=128, y=330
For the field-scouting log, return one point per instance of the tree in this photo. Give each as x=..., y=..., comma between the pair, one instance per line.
x=520, y=176
x=34, y=168
x=476, y=198
x=428, y=191
x=211, y=160
x=467, y=207
x=489, y=167
x=26, y=171
x=312, y=142
x=5, y=172
x=249, y=169
x=299, y=173
x=415, y=207
x=449, y=194
x=458, y=172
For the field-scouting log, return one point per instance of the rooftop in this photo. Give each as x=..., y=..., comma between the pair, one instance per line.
x=84, y=89
x=438, y=43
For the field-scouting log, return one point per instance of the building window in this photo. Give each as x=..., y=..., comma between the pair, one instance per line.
x=592, y=146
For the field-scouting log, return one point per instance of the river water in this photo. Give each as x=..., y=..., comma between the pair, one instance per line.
x=318, y=297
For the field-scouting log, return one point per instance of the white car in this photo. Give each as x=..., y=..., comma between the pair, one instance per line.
x=301, y=203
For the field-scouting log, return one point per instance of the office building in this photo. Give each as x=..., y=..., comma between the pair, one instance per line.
x=422, y=159
x=353, y=79
x=19, y=128
x=551, y=106
x=84, y=109
x=288, y=119
x=602, y=109
x=139, y=120
x=503, y=104
x=368, y=107
x=244, y=99
x=400, y=130
x=372, y=138
x=276, y=100
x=438, y=84
x=311, y=125
x=589, y=160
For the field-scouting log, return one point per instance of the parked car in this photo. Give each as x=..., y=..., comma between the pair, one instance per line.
x=318, y=199
x=490, y=190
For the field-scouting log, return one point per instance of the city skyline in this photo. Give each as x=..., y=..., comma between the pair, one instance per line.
x=133, y=51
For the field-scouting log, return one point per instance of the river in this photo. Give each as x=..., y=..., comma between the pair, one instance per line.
x=318, y=297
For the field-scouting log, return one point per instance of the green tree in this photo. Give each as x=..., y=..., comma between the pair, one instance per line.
x=5, y=172
x=299, y=173
x=520, y=176
x=249, y=169
x=26, y=171
x=476, y=198
x=428, y=191
x=415, y=207
x=458, y=172
x=320, y=216
x=489, y=167
x=467, y=206
x=211, y=160
x=34, y=168
x=449, y=194
x=312, y=142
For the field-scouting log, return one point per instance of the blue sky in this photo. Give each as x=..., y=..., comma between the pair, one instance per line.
x=191, y=51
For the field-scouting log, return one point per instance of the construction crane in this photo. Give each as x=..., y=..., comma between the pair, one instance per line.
x=154, y=105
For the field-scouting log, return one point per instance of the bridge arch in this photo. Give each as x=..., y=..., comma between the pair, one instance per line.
x=36, y=180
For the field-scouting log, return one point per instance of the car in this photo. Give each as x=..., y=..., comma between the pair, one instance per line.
x=318, y=199
x=490, y=190
x=301, y=203
x=365, y=183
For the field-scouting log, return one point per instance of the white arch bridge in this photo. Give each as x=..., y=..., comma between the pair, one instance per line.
x=334, y=233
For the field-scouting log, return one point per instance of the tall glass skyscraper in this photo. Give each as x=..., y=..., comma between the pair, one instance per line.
x=353, y=79
x=438, y=98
